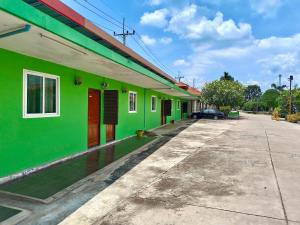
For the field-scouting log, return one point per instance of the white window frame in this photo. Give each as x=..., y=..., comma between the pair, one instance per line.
x=153, y=96
x=178, y=105
x=43, y=75
x=136, y=99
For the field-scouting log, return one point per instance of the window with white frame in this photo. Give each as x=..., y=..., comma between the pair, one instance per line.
x=40, y=95
x=178, y=105
x=153, y=103
x=132, y=102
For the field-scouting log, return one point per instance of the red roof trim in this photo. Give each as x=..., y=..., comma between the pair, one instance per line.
x=64, y=10
x=69, y=13
x=191, y=90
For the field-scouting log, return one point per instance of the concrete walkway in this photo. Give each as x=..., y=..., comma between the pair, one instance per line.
x=214, y=172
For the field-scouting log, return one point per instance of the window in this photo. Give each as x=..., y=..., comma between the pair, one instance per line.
x=178, y=105
x=132, y=102
x=41, y=95
x=153, y=103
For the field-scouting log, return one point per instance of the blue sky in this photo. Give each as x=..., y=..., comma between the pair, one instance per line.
x=254, y=40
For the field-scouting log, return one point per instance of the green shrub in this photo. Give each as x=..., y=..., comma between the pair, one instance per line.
x=254, y=106
x=225, y=109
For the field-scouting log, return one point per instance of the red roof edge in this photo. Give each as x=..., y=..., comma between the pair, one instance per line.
x=64, y=10
x=191, y=90
x=71, y=14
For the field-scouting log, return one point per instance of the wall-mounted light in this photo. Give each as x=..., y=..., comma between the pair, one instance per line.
x=124, y=90
x=104, y=85
x=78, y=81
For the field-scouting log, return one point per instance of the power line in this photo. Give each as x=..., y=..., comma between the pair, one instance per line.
x=116, y=22
x=104, y=13
x=124, y=25
x=128, y=27
x=100, y=16
x=100, y=25
x=143, y=49
x=157, y=60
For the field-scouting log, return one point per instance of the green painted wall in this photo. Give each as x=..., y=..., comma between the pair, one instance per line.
x=27, y=143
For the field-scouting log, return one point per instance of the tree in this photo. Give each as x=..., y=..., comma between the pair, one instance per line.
x=283, y=102
x=254, y=105
x=223, y=93
x=270, y=98
x=227, y=76
x=252, y=92
x=296, y=99
x=278, y=87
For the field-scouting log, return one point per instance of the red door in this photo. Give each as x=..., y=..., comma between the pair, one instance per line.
x=94, y=118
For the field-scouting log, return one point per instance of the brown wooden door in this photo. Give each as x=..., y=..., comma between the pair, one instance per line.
x=110, y=132
x=93, y=118
x=162, y=114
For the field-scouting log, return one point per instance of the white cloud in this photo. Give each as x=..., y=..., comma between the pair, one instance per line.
x=187, y=25
x=220, y=45
x=180, y=62
x=177, y=22
x=279, y=43
x=281, y=63
x=158, y=18
x=148, y=40
x=165, y=40
x=261, y=59
x=279, y=54
x=252, y=82
x=267, y=8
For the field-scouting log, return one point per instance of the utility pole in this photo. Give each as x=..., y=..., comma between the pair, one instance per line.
x=194, y=83
x=179, y=77
x=290, y=99
x=279, y=80
x=124, y=34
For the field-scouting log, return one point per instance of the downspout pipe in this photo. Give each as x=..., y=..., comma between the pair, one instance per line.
x=12, y=32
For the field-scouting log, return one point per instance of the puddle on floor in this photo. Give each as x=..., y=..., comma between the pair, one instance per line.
x=50, y=181
x=6, y=213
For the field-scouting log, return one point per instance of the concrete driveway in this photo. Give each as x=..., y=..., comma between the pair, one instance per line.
x=212, y=173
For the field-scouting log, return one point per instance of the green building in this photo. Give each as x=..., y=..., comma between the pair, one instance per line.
x=68, y=87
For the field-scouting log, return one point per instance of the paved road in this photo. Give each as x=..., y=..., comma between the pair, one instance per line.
x=212, y=173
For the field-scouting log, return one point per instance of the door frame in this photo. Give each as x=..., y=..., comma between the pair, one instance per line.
x=99, y=122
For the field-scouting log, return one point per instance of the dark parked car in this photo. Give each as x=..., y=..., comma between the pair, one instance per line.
x=208, y=114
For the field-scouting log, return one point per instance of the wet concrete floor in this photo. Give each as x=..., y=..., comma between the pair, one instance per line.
x=94, y=172
x=47, y=182
x=212, y=173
